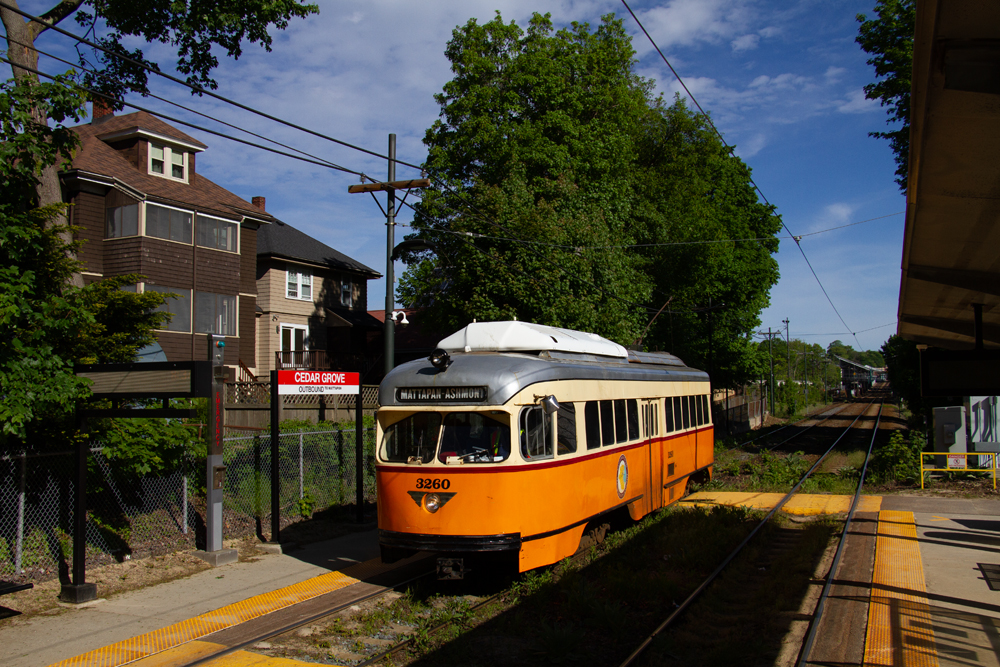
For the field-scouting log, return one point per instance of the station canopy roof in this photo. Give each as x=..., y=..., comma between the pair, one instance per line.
x=951, y=247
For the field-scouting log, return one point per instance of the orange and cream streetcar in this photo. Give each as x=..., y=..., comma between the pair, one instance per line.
x=513, y=437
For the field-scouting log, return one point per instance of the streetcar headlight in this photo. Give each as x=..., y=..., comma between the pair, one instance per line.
x=432, y=502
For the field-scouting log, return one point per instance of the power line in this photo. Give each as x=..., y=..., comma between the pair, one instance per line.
x=188, y=109
x=708, y=119
x=328, y=165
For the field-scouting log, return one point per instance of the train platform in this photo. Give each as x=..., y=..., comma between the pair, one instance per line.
x=919, y=584
x=172, y=623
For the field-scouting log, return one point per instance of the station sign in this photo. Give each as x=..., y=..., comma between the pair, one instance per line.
x=304, y=383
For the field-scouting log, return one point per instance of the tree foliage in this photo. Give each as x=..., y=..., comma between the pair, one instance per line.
x=47, y=325
x=566, y=194
x=888, y=38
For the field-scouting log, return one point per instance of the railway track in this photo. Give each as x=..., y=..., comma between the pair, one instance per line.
x=875, y=404
x=430, y=640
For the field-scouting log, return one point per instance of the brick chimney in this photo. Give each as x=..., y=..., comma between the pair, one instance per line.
x=101, y=109
x=258, y=202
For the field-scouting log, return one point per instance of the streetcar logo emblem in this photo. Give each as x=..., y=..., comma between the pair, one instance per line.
x=622, y=476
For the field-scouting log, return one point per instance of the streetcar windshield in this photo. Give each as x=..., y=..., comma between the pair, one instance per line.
x=412, y=439
x=475, y=437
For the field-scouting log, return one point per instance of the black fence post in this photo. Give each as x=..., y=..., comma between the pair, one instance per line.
x=359, y=457
x=80, y=591
x=275, y=437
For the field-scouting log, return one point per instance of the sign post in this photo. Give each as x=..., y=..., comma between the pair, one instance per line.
x=215, y=470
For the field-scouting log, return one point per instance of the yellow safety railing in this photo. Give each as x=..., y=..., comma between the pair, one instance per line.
x=952, y=468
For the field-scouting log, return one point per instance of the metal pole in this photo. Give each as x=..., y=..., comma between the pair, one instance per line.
x=788, y=353
x=184, y=501
x=359, y=452
x=390, y=287
x=20, y=515
x=301, y=483
x=770, y=352
x=275, y=435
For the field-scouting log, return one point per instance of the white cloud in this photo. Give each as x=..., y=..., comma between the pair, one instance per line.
x=834, y=74
x=751, y=146
x=685, y=22
x=857, y=103
x=745, y=42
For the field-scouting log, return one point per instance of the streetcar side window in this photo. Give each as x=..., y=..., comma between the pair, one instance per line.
x=708, y=409
x=656, y=418
x=566, y=429
x=621, y=424
x=607, y=422
x=633, y=419
x=412, y=439
x=686, y=411
x=535, y=441
x=678, y=414
x=592, y=417
x=696, y=402
x=668, y=412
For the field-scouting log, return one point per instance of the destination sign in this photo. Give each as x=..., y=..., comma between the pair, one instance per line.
x=440, y=394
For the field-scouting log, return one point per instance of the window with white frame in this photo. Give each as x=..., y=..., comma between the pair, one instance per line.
x=167, y=162
x=168, y=223
x=299, y=285
x=178, y=305
x=346, y=293
x=214, y=313
x=216, y=233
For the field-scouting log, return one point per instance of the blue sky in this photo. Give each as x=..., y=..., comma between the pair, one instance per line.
x=782, y=80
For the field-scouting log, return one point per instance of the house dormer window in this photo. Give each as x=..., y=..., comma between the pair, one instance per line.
x=167, y=162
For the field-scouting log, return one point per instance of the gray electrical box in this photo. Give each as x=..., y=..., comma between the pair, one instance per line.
x=984, y=427
x=949, y=436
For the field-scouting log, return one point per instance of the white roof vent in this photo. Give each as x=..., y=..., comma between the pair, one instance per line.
x=527, y=337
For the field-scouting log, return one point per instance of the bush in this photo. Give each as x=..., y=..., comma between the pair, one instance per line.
x=899, y=459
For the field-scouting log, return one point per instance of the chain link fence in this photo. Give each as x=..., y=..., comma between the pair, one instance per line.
x=134, y=516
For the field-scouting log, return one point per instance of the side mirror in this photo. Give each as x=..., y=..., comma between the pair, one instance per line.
x=549, y=404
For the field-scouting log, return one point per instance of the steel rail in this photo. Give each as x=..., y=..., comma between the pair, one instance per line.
x=298, y=624
x=704, y=584
x=818, y=613
x=779, y=430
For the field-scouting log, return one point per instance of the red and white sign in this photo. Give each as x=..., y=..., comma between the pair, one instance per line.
x=302, y=383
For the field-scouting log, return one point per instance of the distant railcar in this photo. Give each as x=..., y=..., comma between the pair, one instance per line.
x=513, y=437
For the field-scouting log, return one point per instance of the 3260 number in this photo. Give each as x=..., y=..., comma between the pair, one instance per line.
x=436, y=484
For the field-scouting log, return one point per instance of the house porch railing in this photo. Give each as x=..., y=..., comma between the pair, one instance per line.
x=301, y=360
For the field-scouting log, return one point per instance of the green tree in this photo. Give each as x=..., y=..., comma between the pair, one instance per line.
x=567, y=181
x=888, y=38
x=45, y=324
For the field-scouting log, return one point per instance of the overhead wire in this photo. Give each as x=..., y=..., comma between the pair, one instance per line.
x=190, y=110
x=311, y=159
x=202, y=91
x=328, y=165
x=711, y=124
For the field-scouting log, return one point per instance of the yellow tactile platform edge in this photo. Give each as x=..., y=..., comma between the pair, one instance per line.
x=144, y=645
x=802, y=504
x=899, y=608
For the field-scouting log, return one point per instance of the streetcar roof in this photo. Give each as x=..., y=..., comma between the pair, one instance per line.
x=501, y=375
x=528, y=337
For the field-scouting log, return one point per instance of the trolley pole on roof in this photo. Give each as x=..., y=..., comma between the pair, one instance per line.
x=390, y=187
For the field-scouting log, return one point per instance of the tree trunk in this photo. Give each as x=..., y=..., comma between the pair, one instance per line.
x=21, y=32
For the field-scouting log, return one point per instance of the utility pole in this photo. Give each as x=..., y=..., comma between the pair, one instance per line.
x=390, y=283
x=788, y=353
x=390, y=187
x=770, y=353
